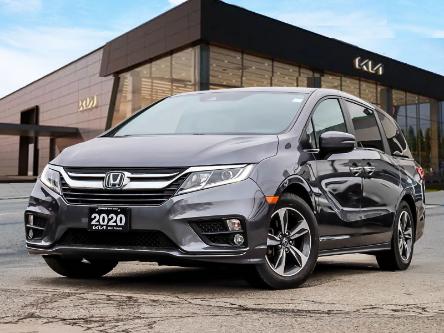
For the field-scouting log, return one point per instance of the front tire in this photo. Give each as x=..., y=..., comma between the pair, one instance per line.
x=79, y=268
x=292, y=245
x=400, y=255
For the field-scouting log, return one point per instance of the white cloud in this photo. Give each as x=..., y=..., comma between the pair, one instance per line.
x=176, y=2
x=422, y=31
x=19, y=6
x=28, y=54
x=359, y=28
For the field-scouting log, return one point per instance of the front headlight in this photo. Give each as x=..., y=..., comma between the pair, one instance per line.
x=51, y=178
x=206, y=177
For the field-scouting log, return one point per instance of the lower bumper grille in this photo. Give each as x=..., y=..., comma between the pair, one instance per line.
x=216, y=232
x=134, y=239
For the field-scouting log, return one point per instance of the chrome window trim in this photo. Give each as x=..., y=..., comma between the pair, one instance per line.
x=135, y=184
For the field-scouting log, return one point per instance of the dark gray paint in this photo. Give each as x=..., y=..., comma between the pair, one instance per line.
x=326, y=182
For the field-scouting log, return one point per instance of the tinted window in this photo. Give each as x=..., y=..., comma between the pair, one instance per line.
x=235, y=112
x=308, y=140
x=328, y=117
x=394, y=135
x=366, y=127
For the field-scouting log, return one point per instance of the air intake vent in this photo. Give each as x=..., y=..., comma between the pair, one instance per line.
x=133, y=239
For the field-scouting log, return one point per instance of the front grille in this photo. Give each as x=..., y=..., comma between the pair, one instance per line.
x=133, y=239
x=133, y=197
x=82, y=172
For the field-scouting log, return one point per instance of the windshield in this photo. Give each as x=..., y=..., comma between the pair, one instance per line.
x=237, y=112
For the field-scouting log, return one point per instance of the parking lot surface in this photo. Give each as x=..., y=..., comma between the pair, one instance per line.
x=345, y=293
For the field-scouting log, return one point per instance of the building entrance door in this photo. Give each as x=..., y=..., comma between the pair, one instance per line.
x=28, y=149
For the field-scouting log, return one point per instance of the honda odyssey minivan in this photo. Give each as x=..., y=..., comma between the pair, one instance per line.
x=267, y=179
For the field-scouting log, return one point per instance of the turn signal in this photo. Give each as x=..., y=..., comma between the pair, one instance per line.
x=420, y=172
x=272, y=199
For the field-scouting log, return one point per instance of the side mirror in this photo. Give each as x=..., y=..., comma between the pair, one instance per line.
x=333, y=142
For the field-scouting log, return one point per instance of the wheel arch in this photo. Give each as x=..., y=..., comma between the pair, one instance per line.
x=299, y=187
x=411, y=202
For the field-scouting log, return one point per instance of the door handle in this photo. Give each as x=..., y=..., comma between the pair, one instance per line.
x=369, y=170
x=356, y=171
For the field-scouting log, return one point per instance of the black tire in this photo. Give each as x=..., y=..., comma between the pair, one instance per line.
x=78, y=268
x=263, y=275
x=393, y=259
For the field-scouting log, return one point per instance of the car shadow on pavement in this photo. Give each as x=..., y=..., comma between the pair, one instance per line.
x=200, y=280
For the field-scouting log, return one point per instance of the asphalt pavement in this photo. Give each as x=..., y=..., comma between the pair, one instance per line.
x=345, y=294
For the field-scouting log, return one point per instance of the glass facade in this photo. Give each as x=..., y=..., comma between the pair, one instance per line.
x=151, y=82
x=420, y=118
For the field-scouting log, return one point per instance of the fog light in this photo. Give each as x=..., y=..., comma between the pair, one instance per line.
x=30, y=234
x=234, y=225
x=30, y=219
x=238, y=239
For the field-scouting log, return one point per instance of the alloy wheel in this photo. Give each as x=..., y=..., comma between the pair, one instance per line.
x=405, y=236
x=288, y=242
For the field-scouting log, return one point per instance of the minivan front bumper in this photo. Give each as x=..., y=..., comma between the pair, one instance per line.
x=176, y=219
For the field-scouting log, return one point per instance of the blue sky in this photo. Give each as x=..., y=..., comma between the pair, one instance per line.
x=38, y=36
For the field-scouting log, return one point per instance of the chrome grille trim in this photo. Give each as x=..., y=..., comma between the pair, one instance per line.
x=86, y=175
x=138, y=197
x=139, y=181
x=137, y=175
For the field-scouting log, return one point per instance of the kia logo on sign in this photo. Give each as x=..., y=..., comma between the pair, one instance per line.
x=88, y=103
x=114, y=180
x=369, y=66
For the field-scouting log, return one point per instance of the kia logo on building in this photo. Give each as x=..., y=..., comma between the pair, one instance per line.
x=369, y=66
x=88, y=103
x=114, y=180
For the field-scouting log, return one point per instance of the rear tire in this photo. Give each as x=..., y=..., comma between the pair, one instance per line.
x=292, y=251
x=79, y=268
x=399, y=257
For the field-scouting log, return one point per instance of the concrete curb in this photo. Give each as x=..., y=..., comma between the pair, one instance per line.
x=14, y=198
x=9, y=191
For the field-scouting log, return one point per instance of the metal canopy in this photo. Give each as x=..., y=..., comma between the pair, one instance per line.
x=38, y=130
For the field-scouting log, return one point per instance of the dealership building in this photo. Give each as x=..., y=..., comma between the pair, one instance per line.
x=209, y=44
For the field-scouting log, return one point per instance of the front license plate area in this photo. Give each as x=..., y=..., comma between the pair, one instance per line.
x=105, y=219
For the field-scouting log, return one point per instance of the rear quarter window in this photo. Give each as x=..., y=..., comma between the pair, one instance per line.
x=395, y=138
x=366, y=126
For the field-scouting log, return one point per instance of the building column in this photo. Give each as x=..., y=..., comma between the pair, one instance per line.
x=434, y=123
x=314, y=82
x=52, y=148
x=386, y=101
x=203, y=68
x=134, y=92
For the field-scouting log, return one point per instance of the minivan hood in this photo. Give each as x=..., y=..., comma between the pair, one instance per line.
x=169, y=151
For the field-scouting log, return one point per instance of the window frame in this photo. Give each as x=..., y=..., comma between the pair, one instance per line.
x=378, y=125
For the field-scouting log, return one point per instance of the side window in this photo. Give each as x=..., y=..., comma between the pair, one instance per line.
x=366, y=127
x=395, y=138
x=328, y=117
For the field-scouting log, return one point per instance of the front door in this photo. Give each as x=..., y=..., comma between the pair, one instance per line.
x=339, y=179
